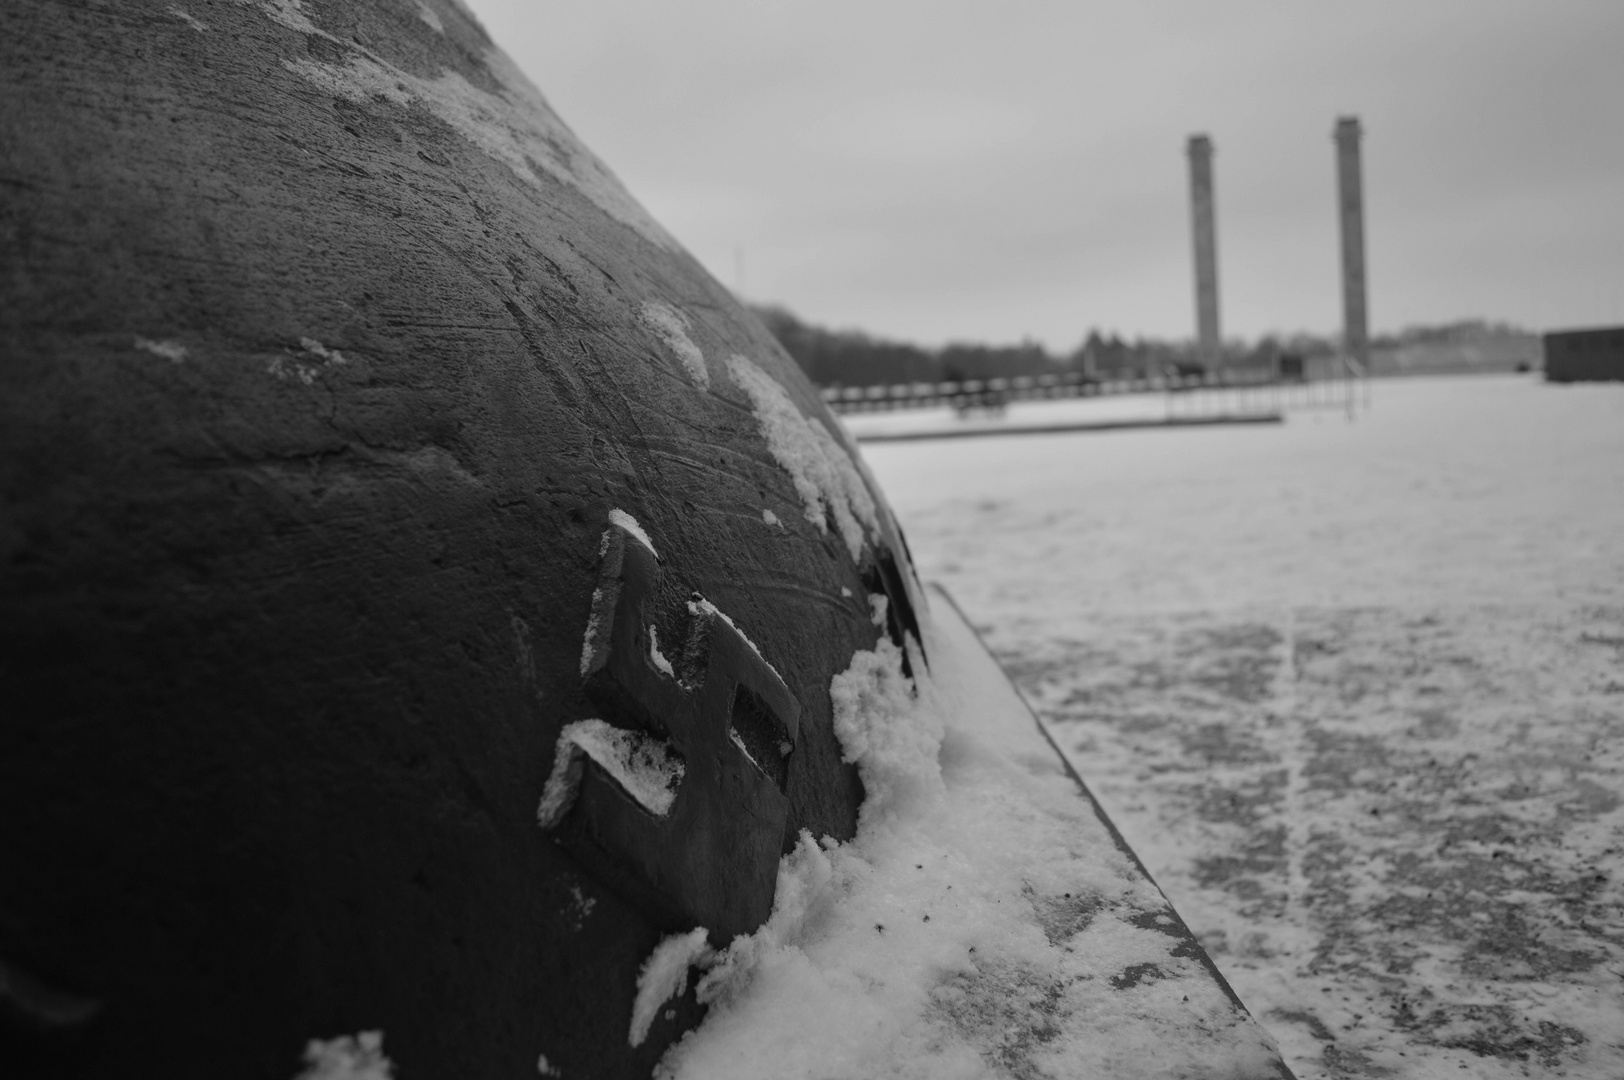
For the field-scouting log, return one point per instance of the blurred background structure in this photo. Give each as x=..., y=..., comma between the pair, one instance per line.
x=1204, y=230
x=1350, y=198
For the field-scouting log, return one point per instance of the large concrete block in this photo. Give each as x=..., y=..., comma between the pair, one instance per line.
x=327, y=354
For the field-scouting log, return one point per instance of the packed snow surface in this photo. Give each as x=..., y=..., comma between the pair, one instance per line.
x=1354, y=692
x=829, y=482
x=981, y=923
x=672, y=327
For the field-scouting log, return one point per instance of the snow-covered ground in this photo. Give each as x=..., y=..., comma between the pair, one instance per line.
x=1353, y=691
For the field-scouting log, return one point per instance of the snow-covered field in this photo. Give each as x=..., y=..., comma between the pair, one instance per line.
x=1353, y=691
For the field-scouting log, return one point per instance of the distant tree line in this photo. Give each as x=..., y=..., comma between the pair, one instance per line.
x=854, y=358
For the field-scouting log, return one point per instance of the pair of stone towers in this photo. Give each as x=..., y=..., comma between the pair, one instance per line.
x=1351, y=212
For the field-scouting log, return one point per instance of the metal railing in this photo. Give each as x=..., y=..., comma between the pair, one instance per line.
x=1340, y=385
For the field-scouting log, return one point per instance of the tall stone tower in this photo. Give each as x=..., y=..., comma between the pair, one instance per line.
x=1206, y=251
x=1351, y=211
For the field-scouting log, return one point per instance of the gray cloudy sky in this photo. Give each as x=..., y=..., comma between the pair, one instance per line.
x=955, y=170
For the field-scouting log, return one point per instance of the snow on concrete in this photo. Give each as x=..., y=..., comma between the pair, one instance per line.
x=982, y=922
x=665, y=976
x=829, y=482
x=186, y=17
x=672, y=326
x=660, y=661
x=619, y=517
x=429, y=17
x=1351, y=690
x=321, y=352
x=515, y=127
x=173, y=351
x=295, y=365
x=290, y=13
x=348, y=1057
x=591, y=639
x=646, y=767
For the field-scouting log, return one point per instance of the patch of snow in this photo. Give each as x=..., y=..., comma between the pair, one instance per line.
x=173, y=351
x=645, y=766
x=546, y=1068
x=877, y=605
x=428, y=16
x=516, y=127
x=770, y=518
x=1449, y=487
x=290, y=13
x=581, y=906
x=288, y=367
x=284, y=369
x=845, y=592
x=656, y=656
x=825, y=475
x=629, y=523
x=317, y=349
x=672, y=324
x=348, y=1057
x=594, y=625
x=186, y=18
x=973, y=926
x=664, y=975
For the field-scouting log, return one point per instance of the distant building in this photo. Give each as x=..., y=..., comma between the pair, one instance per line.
x=1585, y=355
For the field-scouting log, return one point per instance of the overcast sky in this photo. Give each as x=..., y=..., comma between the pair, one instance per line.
x=988, y=171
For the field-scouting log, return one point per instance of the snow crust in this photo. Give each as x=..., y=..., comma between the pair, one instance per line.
x=672, y=325
x=515, y=127
x=646, y=767
x=348, y=1057
x=619, y=517
x=974, y=925
x=825, y=475
x=665, y=976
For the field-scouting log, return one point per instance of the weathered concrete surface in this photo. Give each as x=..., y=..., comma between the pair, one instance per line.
x=1397, y=832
